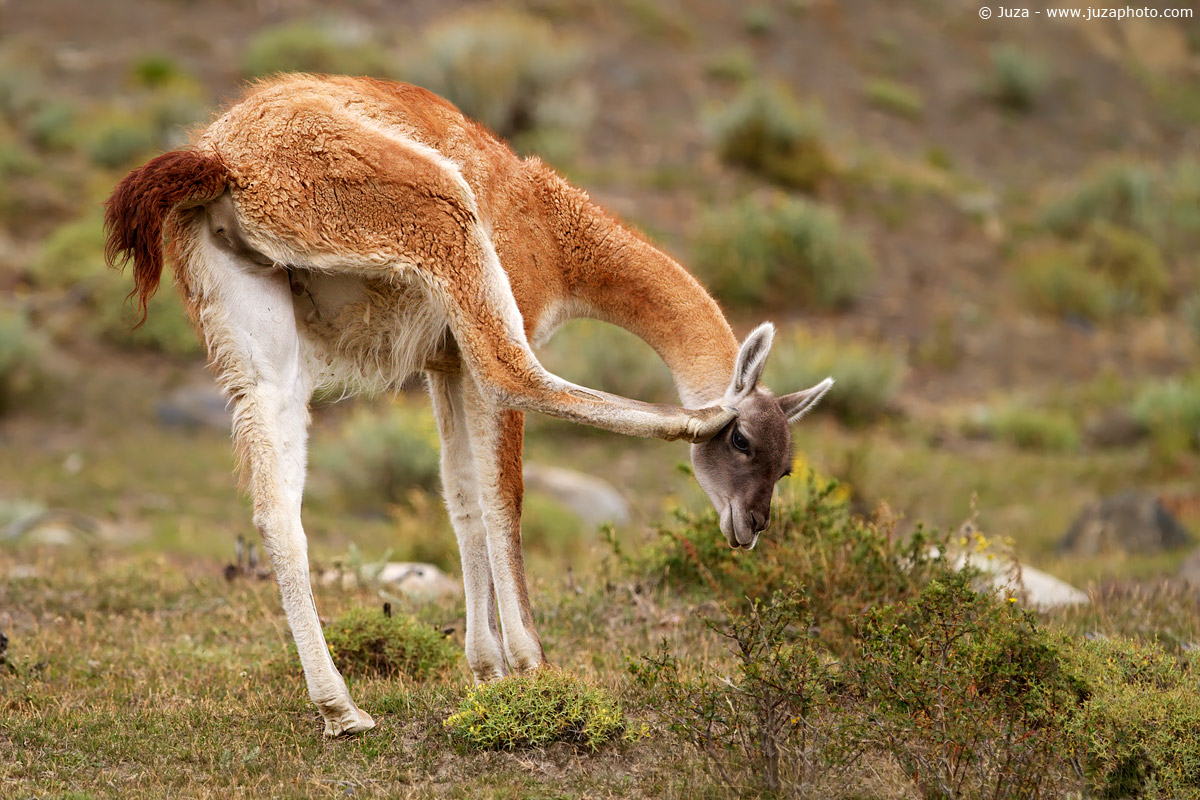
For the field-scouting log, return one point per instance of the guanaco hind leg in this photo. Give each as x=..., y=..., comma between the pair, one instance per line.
x=247, y=318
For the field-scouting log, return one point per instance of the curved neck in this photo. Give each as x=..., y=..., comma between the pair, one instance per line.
x=614, y=275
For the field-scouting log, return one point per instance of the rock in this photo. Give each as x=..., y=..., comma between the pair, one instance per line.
x=411, y=578
x=195, y=406
x=31, y=523
x=418, y=580
x=1190, y=571
x=1132, y=521
x=1115, y=429
x=1035, y=588
x=595, y=501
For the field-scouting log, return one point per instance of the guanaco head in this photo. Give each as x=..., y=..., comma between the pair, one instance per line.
x=739, y=467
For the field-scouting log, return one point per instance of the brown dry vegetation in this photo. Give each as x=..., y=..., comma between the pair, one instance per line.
x=1023, y=199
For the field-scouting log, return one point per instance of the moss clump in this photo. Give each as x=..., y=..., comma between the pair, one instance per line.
x=534, y=710
x=365, y=641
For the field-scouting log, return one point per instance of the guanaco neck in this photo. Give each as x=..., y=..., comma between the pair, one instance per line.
x=614, y=275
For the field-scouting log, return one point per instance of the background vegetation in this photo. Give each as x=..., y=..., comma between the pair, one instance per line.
x=986, y=231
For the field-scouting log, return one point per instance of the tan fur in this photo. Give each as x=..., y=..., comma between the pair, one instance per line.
x=329, y=229
x=354, y=198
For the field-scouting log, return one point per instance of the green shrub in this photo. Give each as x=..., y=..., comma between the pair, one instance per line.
x=1055, y=280
x=969, y=695
x=534, y=710
x=757, y=728
x=1017, y=79
x=117, y=140
x=895, y=98
x=602, y=356
x=733, y=66
x=867, y=376
x=365, y=641
x=166, y=329
x=1137, y=730
x=1026, y=427
x=758, y=20
x=72, y=259
x=788, y=251
x=1110, y=272
x=22, y=89
x=508, y=70
x=1170, y=410
x=21, y=352
x=377, y=457
x=156, y=69
x=1123, y=193
x=766, y=132
x=72, y=255
x=846, y=564
x=323, y=46
x=1132, y=263
x=54, y=126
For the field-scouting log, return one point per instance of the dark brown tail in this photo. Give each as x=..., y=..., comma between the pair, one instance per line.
x=136, y=209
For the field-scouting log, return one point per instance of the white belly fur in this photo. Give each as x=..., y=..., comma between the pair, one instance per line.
x=364, y=333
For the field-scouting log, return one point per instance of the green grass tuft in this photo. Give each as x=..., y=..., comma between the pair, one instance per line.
x=537, y=709
x=364, y=641
x=1017, y=79
x=895, y=98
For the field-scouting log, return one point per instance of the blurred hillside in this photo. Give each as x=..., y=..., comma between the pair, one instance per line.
x=986, y=230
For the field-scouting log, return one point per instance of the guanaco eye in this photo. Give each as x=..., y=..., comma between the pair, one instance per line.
x=739, y=442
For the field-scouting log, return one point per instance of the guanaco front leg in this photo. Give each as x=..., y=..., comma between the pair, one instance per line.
x=460, y=488
x=496, y=442
x=489, y=331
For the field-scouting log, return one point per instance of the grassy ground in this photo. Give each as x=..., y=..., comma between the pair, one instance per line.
x=146, y=676
x=1009, y=284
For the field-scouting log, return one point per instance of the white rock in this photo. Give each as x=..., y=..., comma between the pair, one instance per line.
x=1038, y=589
x=411, y=578
x=418, y=580
x=594, y=500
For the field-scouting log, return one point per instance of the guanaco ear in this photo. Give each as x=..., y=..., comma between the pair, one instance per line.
x=751, y=359
x=797, y=405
